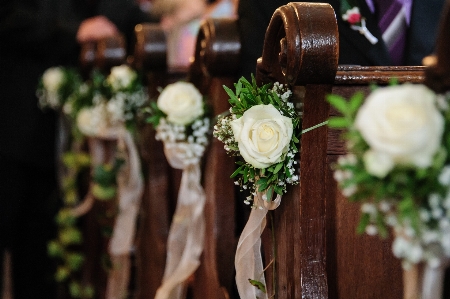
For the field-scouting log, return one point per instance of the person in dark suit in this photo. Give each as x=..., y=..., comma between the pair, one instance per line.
x=354, y=48
x=35, y=35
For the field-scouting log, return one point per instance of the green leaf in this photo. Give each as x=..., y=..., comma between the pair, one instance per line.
x=257, y=284
x=269, y=193
x=245, y=175
x=355, y=102
x=338, y=102
x=237, y=171
x=363, y=222
x=262, y=183
x=75, y=260
x=230, y=93
x=62, y=273
x=338, y=122
x=55, y=249
x=75, y=289
x=393, y=81
x=238, y=88
x=88, y=292
x=278, y=167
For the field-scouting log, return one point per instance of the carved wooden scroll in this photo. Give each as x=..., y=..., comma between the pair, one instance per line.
x=301, y=48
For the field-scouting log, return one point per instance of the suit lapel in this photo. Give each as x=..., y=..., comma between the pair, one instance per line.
x=376, y=54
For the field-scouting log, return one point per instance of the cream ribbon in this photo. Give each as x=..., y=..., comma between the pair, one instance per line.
x=130, y=189
x=187, y=231
x=433, y=279
x=248, y=260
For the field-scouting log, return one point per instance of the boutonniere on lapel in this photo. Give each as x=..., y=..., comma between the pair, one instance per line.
x=351, y=14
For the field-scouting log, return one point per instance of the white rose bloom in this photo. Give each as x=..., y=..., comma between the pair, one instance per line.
x=263, y=135
x=91, y=121
x=121, y=77
x=403, y=123
x=52, y=79
x=181, y=102
x=378, y=163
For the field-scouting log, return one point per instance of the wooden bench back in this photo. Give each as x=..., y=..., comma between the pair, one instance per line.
x=215, y=64
x=319, y=254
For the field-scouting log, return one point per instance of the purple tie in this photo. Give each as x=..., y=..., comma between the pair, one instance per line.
x=392, y=23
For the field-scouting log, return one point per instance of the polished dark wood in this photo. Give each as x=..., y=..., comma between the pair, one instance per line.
x=215, y=64
x=318, y=253
x=102, y=54
x=438, y=72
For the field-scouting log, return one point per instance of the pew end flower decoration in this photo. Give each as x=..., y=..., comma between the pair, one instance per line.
x=398, y=167
x=180, y=115
x=182, y=122
x=56, y=86
x=263, y=128
x=102, y=113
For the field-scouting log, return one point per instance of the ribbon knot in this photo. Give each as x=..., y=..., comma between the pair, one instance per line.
x=248, y=259
x=187, y=231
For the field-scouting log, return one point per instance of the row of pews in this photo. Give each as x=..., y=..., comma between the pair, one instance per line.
x=317, y=251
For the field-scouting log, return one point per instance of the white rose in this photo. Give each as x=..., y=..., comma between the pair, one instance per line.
x=52, y=79
x=403, y=123
x=121, y=77
x=263, y=135
x=181, y=102
x=93, y=120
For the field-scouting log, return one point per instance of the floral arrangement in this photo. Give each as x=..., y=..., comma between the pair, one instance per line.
x=398, y=167
x=263, y=128
x=181, y=119
x=56, y=85
x=351, y=14
x=93, y=108
x=180, y=116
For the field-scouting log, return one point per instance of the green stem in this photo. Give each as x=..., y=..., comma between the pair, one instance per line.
x=315, y=127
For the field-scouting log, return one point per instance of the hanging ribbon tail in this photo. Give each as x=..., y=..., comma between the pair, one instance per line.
x=130, y=189
x=364, y=31
x=248, y=259
x=119, y=277
x=433, y=280
x=186, y=236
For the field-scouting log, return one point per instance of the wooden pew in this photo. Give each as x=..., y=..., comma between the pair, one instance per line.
x=216, y=64
x=102, y=55
x=319, y=254
x=158, y=202
x=217, y=43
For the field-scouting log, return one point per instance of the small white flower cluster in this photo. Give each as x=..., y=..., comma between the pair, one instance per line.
x=341, y=175
x=283, y=92
x=123, y=105
x=191, y=140
x=428, y=240
x=290, y=156
x=121, y=77
x=224, y=133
